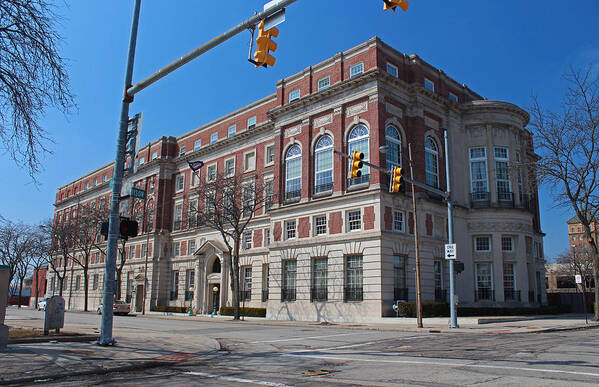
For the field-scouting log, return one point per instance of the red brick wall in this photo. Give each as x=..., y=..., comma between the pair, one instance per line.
x=304, y=227
x=429, y=224
x=335, y=222
x=388, y=218
x=258, y=237
x=276, y=232
x=411, y=222
x=368, y=218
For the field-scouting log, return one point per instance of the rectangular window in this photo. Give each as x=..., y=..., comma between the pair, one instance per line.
x=213, y=138
x=478, y=174
x=318, y=292
x=179, y=182
x=324, y=83
x=211, y=173
x=231, y=131
x=265, y=281
x=430, y=85
x=248, y=199
x=453, y=97
x=77, y=282
x=252, y=122
x=400, y=287
x=95, y=282
x=353, y=278
x=151, y=188
x=144, y=250
x=191, y=247
x=502, y=174
x=268, y=194
x=438, y=273
x=86, y=186
x=131, y=252
x=290, y=229
x=246, y=242
x=509, y=283
x=190, y=280
x=154, y=155
x=142, y=160
x=267, y=237
x=506, y=244
x=197, y=145
x=104, y=179
x=177, y=249
x=391, y=69
x=356, y=70
x=96, y=179
x=320, y=225
x=484, y=281
x=293, y=95
x=178, y=216
x=249, y=161
x=230, y=167
x=270, y=155
x=354, y=220
x=398, y=221
x=246, y=293
x=182, y=150
x=175, y=287
x=289, y=276
x=482, y=244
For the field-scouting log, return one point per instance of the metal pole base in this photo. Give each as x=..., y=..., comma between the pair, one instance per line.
x=106, y=343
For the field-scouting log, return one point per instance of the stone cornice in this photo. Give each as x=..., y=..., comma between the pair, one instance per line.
x=486, y=106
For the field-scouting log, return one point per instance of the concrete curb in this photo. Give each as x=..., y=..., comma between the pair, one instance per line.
x=47, y=339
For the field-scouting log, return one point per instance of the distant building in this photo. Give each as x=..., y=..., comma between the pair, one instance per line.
x=38, y=285
x=328, y=247
x=576, y=233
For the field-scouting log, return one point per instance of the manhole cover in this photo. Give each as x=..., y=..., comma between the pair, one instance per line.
x=317, y=373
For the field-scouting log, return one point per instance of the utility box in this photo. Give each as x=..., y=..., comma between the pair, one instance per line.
x=3, y=301
x=54, y=316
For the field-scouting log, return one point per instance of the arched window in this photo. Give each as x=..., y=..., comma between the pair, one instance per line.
x=323, y=171
x=358, y=140
x=216, y=266
x=393, y=142
x=431, y=159
x=293, y=173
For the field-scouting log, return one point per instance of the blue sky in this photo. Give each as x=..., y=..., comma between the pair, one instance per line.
x=502, y=50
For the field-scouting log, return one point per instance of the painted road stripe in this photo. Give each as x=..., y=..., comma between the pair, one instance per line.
x=346, y=358
x=305, y=338
x=234, y=379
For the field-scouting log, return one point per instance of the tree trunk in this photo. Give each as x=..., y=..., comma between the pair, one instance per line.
x=85, y=288
x=71, y=287
x=36, y=289
x=60, y=282
x=596, y=278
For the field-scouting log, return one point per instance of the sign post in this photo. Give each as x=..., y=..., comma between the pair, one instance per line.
x=450, y=251
x=578, y=279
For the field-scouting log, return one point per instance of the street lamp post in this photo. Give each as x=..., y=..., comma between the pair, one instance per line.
x=214, y=290
x=190, y=313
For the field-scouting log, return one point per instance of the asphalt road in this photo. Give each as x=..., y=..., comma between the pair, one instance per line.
x=275, y=355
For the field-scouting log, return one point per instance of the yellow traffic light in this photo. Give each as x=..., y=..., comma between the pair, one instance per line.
x=391, y=4
x=396, y=182
x=356, y=164
x=265, y=44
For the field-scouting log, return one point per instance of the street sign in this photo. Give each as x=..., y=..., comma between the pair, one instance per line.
x=578, y=278
x=138, y=193
x=450, y=251
x=276, y=18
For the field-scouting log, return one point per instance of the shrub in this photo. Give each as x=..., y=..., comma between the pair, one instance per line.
x=249, y=312
x=429, y=309
x=170, y=309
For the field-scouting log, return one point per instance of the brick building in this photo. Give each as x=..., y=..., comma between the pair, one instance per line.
x=329, y=247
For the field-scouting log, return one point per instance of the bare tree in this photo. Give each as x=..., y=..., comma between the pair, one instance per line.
x=15, y=245
x=24, y=269
x=87, y=226
x=32, y=77
x=59, y=246
x=228, y=204
x=568, y=143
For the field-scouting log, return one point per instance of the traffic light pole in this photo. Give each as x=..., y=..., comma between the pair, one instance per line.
x=119, y=170
x=453, y=321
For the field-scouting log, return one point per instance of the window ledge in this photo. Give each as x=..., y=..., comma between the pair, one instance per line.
x=356, y=187
x=322, y=194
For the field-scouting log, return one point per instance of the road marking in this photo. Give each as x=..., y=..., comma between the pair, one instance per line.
x=234, y=379
x=349, y=345
x=346, y=358
x=305, y=338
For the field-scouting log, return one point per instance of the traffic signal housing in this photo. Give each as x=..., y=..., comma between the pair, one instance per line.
x=356, y=164
x=127, y=228
x=396, y=183
x=264, y=45
x=392, y=4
